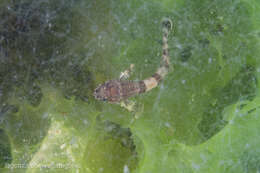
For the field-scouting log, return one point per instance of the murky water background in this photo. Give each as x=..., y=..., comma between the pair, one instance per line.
x=204, y=117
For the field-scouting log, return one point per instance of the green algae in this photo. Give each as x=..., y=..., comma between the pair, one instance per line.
x=202, y=118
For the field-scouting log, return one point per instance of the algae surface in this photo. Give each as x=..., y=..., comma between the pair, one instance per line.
x=204, y=116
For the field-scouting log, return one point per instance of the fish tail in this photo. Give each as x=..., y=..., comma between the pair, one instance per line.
x=162, y=71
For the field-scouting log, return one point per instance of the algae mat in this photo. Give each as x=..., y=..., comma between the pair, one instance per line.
x=204, y=117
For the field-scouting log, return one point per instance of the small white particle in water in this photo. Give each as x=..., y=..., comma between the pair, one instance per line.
x=62, y=146
x=110, y=128
x=220, y=17
x=76, y=146
x=73, y=141
x=210, y=60
x=45, y=115
x=258, y=70
x=167, y=124
x=44, y=147
x=47, y=15
x=247, y=145
x=183, y=81
x=195, y=166
x=125, y=29
x=162, y=86
x=126, y=169
x=179, y=46
x=94, y=28
x=85, y=122
x=99, y=37
x=185, y=64
x=203, y=157
x=241, y=115
x=221, y=162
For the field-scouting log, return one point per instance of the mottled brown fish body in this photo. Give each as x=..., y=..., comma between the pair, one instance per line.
x=115, y=91
x=112, y=89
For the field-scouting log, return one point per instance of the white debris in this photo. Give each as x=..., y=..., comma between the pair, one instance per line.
x=62, y=146
x=126, y=169
x=210, y=60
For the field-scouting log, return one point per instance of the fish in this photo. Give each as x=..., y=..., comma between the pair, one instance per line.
x=117, y=90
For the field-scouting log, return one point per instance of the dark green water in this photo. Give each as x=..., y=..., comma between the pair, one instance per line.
x=204, y=117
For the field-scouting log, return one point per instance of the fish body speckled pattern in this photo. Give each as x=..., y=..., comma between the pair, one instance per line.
x=114, y=91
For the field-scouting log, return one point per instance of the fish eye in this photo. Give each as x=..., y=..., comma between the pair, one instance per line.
x=97, y=90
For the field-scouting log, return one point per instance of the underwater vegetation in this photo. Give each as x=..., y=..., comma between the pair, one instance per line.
x=203, y=117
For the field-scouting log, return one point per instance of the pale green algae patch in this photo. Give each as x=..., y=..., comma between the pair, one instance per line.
x=203, y=118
